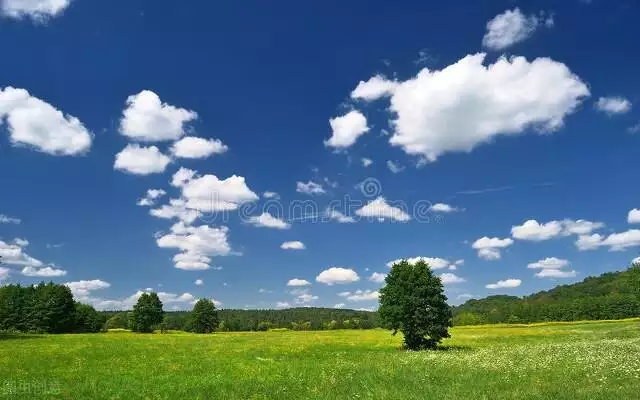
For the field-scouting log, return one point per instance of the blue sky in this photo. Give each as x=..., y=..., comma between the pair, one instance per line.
x=500, y=141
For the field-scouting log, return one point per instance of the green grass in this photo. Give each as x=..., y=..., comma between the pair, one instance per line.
x=541, y=361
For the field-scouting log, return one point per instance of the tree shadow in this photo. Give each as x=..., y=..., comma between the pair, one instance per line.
x=452, y=347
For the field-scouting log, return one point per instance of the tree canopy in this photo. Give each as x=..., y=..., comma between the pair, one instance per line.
x=147, y=313
x=204, y=317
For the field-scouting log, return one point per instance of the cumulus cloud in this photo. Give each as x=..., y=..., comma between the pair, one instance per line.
x=45, y=272
x=303, y=298
x=266, y=220
x=512, y=27
x=361, y=295
x=34, y=123
x=376, y=87
x=534, y=231
x=340, y=217
x=634, y=216
x=434, y=262
x=381, y=210
x=443, y=208
x=81, y=289
x=339, y=305
x=450, y=279
x=395, y=168
x=208, y=193
x=298, y=282
x=283, y=304
x=198, y=282
x=197, y=244
x=147, y=119
x=83, y=292
x=151, y=197
x=293, y=245
x=377, y=277
x=37, y=10
x=506, y=284
x=21, y=242
x=4, y=273
x=270, y=195
x=556, y=273
x=613, y=105
x=489, y=248
x=346, y=130
x=635, y=260
x=309, y=188
x=175, y=209
x=366, y=162
x=13, y=254
x=195, y=147
x=139, y=160
x=467, y=104
x=5, y=219
x=337, y=275
x=549, y=263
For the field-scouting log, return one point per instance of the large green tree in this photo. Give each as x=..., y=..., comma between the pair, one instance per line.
x=413, y=302
x=204, y=317
x=147, y=313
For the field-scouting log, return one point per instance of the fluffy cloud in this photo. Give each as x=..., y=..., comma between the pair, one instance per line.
x=450, y=279
x=580, y=227
x=376, y=87
x=303, y=298
x=82, y=289
x=380, y=209
x=198, y=282
x=395, y=168
x=13, y=254
x=140, y=160
x=508, y=283
x=443, y=208
x=195, y=147
x=175, y=209
x=37, y=10
x=635, y=260
x=208, y=193
x=347, y=129
x=337, y=275
x=298, y=282
x=634, y=216
x=366, y=162
x=283, y=304
x=309, y=188
x=466, y=104
x=151, y=197
x=21, y=242
x=512, y=27
x=339, y=305
x=434, y=262
x=37, y=124
x=146, y=118
x=197, y=245
x=338, y=216
x=361, y=295
x=5, y=219
x=589, y=242
x=532, y=230
x=489, y=248
x=270, y=195
x=266, y=220
x=616, y=241
x=4, y=273
x=377, y=277
x=294, y=245
x=613, y=105
x=549, y=263
x=46, y=272
x=555, y=273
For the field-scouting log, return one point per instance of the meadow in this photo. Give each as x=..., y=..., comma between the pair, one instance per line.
x=581, y=360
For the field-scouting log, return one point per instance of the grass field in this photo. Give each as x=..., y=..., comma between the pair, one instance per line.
x=543, y=361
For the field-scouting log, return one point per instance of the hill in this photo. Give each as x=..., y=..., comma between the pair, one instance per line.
x=613, y=295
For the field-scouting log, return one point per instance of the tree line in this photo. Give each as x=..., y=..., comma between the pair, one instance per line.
x=613, y=295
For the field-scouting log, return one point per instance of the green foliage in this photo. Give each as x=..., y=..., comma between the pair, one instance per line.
x=147, y=313
x=116, y=321
x=204, y=317
x=87, y=319
x=264, y=326
x=613, y=295
x=414, y=303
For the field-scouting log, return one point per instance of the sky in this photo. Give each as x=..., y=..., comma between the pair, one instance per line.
x=285, y=154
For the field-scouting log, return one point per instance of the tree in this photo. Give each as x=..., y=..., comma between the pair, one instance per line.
x=413, y=302
x=204, y=317
x=117, y=321
x=147, y=313
x=87, y=319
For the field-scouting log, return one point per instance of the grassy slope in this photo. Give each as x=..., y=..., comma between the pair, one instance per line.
x=545, y=361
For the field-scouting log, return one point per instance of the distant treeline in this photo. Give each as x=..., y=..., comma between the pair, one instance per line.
x=307, y=318
x=45, y=308
x=612, y=295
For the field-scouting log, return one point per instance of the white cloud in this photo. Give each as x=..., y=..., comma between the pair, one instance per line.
x=613, y=105
x=512, y=27
x=377, y=277
x=303, y=298
x=270, y=195
x=82, y=289
x=589, y=242
x=294, y=245
x=147, y=119
x=380, y=209
x=37, y=124
x=5, y=219
x=198, y=282
x=395, y=168
x=337, y=275
x=182, y=176
x=508, y=283
x=366, y=162
x=82, y=292
x=21, y=242
x=434, y=262
x=555, y=273
x=283, y=304
x=298, y=282
x=362, y=295
x=4, y=273
x=443, y=208
x=347, y=129
x=339, y=305
x=580, y=227
x=634, y=216
x=266, y=220
x=13, y=254
x=376, y=87
x=151, y=197
x=195, y=147
x=532, y=230
x=450, y=279
x=549, y=263
x=459, y=262
x=309, y=188
x=46, y=272
x=175, y=209
x=139, y=160
x=197, y=245
x=37, y=10
x=635, y=260
x=466, y=104
x=615, y=241
x=489, y=248
x=208, y=193
x=340, y=217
